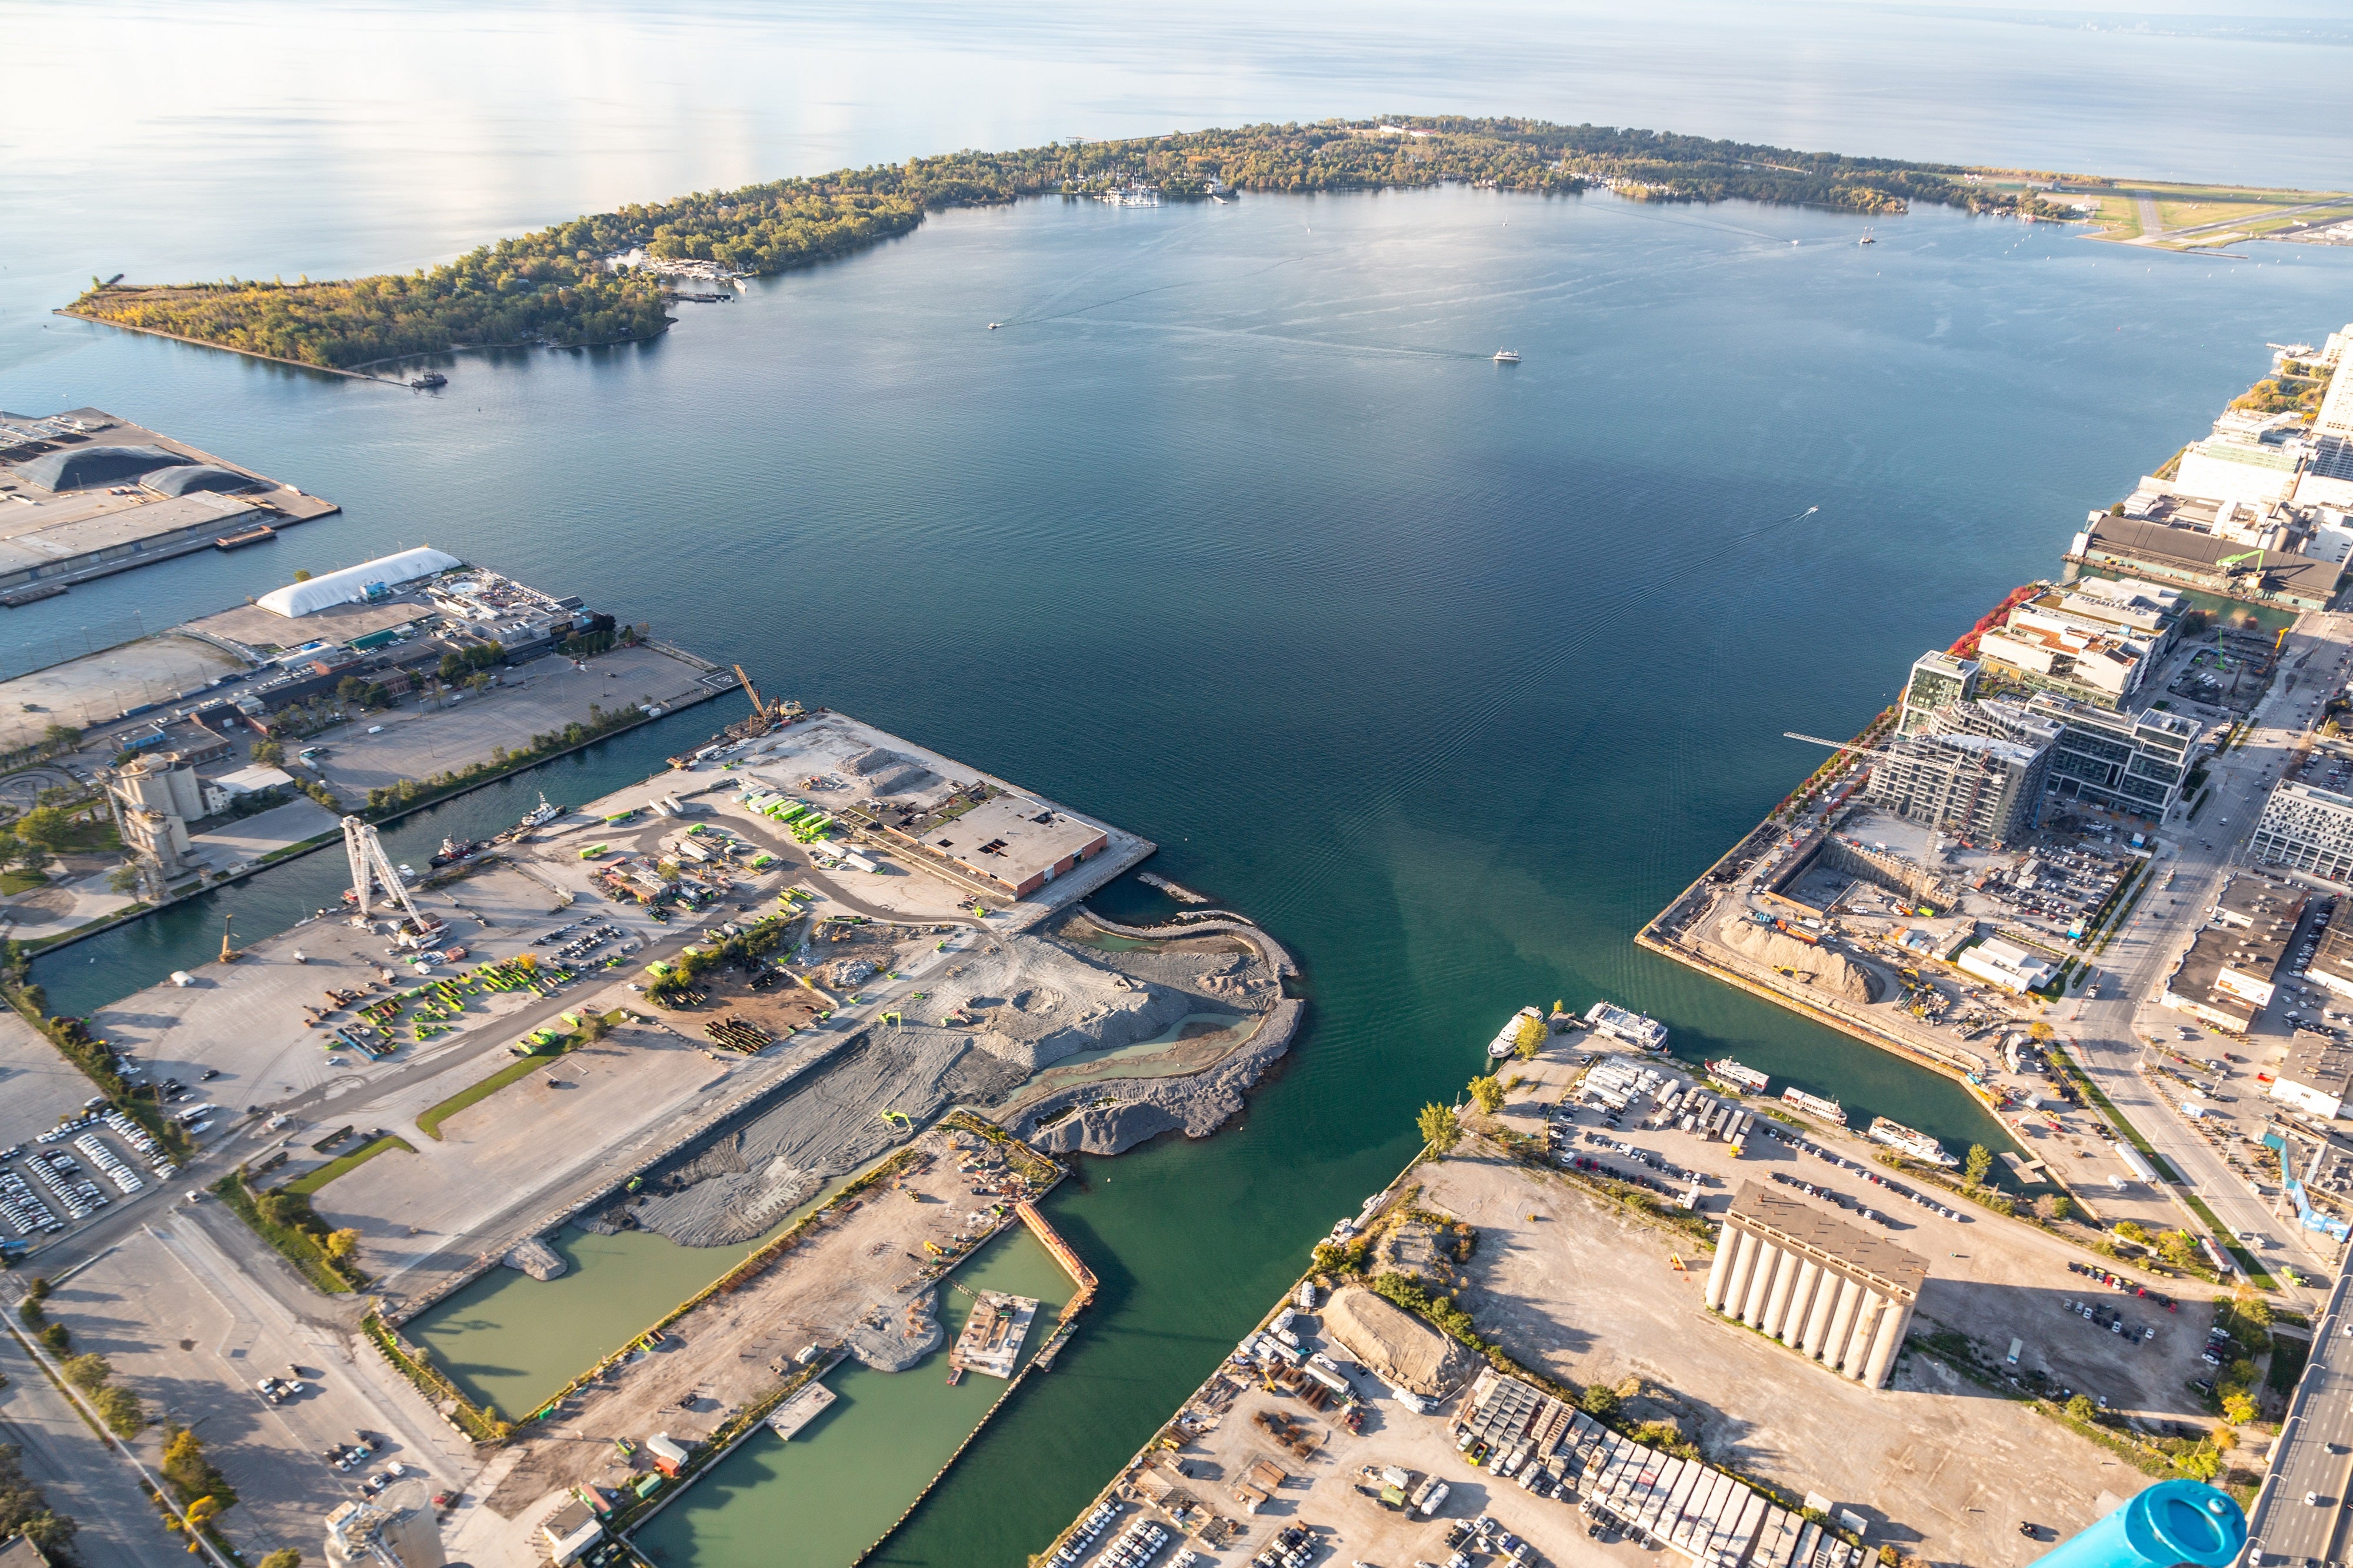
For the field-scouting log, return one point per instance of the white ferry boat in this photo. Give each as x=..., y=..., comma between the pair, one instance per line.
x=1910, y=1141
x=1507, y=356
x=1637, y=1029
x=1505, y=1043
x=1732, y=1072
x=1829, y=1110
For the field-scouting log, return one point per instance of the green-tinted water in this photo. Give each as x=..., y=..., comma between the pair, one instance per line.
x=819, y=1499
x=510, y=1340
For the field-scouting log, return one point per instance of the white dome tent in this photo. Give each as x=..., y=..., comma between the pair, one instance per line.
x=357, y=584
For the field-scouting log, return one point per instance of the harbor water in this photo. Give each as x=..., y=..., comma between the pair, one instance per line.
x=1451, y=672
x=823, y=1497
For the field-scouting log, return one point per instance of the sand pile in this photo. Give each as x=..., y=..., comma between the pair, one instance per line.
x=1393, y=1344
x=1832, y=971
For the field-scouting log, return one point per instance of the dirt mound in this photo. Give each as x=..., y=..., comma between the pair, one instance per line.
x=1393, y=1344
x=1831, y=972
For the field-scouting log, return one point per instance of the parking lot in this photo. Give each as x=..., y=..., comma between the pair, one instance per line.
x=176, y=1317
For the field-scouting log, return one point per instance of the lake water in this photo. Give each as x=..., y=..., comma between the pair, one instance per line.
x=1452, y=673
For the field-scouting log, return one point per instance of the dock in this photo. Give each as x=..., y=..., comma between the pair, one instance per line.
x=993, y=1335
x=799, y=1410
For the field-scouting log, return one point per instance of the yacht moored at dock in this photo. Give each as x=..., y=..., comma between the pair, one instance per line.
x=1732, y=1072
x=1508, y=1040
x=1910, y=1141
x=1829, y=1110
x=1637, y=1029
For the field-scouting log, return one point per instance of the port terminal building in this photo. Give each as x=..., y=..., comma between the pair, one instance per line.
x=1837, y=1294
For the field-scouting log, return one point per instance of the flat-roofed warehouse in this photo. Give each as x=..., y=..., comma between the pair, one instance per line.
x=2229, y=970
x=1836, y=1294
x=1016, y=842
x=83, y=494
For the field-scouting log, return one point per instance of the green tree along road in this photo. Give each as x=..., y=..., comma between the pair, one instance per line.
x=553, y=287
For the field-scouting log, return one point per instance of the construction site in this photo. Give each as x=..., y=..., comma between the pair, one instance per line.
x=725, y=1008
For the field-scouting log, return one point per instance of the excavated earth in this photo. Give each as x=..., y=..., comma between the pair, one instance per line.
x=991, y=1033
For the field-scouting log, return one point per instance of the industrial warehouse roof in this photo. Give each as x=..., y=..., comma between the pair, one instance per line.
x=1762, y=1208
x=2135, y=538
x=1390, y=1343
x=351, y=585
x=86, y=466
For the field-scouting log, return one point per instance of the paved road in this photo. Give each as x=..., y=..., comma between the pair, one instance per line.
x=2109, y=1028
x=2315, y=1458
x=78, y=1474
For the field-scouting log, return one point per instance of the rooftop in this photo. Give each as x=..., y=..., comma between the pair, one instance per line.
x=1761, y=1209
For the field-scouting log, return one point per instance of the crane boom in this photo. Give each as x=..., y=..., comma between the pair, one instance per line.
x=751, y=691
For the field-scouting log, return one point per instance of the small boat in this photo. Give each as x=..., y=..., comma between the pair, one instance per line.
x=429, y=380
x=1732, y=1072
x=1637, y=1029
x=993, y=325
x=1866, y=238
x=1507, y=356
x=543, y=814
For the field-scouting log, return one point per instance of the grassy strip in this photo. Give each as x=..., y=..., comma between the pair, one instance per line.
x=429, y=1121
x=309, y=1184
x=444, y=1395
x=294, y=1246
x=2246, y=1260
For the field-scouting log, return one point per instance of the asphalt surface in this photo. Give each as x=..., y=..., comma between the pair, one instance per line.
x=2108, y=1027
x=78, y=1474
x=2315, y=1457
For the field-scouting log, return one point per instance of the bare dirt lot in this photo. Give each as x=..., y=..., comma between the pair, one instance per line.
x=1939, y=1465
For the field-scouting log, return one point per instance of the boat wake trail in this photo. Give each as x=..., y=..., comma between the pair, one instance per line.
x=1140, y=293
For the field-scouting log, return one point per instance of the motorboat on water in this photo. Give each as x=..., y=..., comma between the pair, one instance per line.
x=543, y=814
x=1507, y=356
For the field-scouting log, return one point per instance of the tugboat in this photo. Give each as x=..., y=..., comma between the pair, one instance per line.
x=455, y=849
x=428, y=381
x=540, y=815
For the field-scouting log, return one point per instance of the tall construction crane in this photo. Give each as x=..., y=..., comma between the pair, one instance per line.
x=371, y=868
x=765, y=716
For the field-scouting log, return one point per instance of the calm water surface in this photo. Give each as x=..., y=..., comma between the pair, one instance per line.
x=1452, y=673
